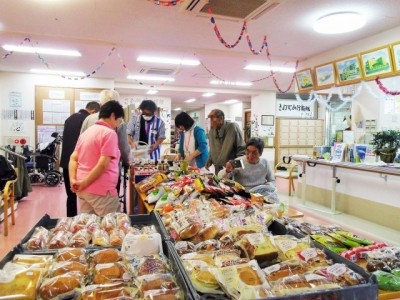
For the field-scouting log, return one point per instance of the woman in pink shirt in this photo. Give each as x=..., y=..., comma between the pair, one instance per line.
x=94, y=164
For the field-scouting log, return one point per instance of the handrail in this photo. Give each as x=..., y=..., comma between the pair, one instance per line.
x=12, y=152
x=387, y=170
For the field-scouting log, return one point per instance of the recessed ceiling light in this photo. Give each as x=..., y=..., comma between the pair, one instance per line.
x=190, y=100
x=58, y=72
x=236, y=83
x=269, y=68
x=166, y=60
x=25, y=49
x=152, y=92
x=339, y=22
x=231, y=101
x=177, y=109
x=151, y=78
x=208, y=94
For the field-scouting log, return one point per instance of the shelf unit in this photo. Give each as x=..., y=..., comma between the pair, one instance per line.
x=297, y=136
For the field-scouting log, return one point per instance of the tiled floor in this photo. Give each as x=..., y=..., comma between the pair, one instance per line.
x=51, y=200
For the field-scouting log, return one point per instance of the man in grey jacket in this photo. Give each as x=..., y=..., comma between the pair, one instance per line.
x=225, y=140
x=123, y=145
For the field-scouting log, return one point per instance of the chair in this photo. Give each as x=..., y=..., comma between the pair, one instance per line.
x=8, y=199
x=287, y=170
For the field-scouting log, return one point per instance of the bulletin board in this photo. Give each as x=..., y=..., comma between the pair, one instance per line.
x=53, y=105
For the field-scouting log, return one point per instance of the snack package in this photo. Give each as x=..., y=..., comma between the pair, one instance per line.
x=341, y=274
x=38, y=240
x=37, y=261
x=258, y=246
x=203, y=280
x=151, y=182
x=115, y=290
x=152, y=264
x=100, y=238
x=81, y=239
x=105, y=256
x=71, y=254
x=111, y=272
x=388, y=281
x=19, y=282
x=155, y=195
x=60, y=239
x=60, y=286
x=155, y=282
x=284, y=269
x=141, y=245
x=109, y=222
x=116, y=237
x=68, y=266
x=289, y=246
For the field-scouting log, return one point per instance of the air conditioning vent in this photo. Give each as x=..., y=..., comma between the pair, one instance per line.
x=157, y=71
x=229, y=9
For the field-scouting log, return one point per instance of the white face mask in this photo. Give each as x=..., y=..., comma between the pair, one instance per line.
x=147, y=118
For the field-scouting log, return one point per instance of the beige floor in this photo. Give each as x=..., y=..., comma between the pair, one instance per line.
x=51, y=200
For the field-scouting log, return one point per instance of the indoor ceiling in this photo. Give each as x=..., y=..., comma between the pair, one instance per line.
x=141, y=27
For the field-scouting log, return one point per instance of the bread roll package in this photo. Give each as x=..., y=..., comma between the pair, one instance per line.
x=242, y=281
x=104, y=256
x=71, y=254
x=155, y=282
x=111, y=272
x=284, y=269
x=38, y=240
x=64, y=285
x=116, y=290
x=289, y=246
x=36, y=261
x=151, y=264
x=19, y=281
x=258, y=246
x=60, y=239
x=202, y=279
x=68, y=266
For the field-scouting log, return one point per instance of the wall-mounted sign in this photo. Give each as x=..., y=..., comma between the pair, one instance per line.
x=295, y=109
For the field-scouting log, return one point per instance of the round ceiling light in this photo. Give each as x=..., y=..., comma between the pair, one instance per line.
x=339, y=23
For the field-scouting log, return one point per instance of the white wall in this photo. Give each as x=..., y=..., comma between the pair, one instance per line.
x=25, y=84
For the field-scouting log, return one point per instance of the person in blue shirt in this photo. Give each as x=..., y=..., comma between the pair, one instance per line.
x=193, y=145
x=147, y=128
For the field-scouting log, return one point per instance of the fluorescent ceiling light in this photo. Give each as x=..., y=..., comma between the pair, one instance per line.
x=152, y=92
x=58, y=72
x=231, y=101
x=177, y=109
x=208, y=94
x=26, y=49
x=170, y=61
x=339, y=22
x=236, y=83
x=269, y=68
x=151, y=78
x=190, y=100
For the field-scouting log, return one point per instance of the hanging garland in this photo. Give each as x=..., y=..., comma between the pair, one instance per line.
x=384, y=89
x=5, y=56
x=216, y=30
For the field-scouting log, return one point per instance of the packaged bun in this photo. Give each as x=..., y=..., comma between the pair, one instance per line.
x=152, y=264
x=63, y=224
x=106, y=256
x=173, y=294
x=289, y=246
x=60, y=239
x=107, y=291
x=37, y=261
x=100, y=238
x=81, y=239
x=38, y=240
x=109, y=222
x=284, y=269
x=258, y=246
x=68, y=266
x=155, y=282
x=116, y=237
x=71, y=254
x=207, y=233
x=19, y=282
x=62, y=285
x=110, y=272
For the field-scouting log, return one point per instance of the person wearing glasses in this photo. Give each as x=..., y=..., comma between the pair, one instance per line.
x=225, y=139
x=255, y=175
x=147, y=128
x=193, y=145
x=94, y=164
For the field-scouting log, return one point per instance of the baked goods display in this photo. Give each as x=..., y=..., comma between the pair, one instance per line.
x=83, y=231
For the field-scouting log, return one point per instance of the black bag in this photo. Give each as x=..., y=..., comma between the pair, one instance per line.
x=7, y=172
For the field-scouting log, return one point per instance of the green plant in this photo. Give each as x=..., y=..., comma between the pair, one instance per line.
x=386, y=141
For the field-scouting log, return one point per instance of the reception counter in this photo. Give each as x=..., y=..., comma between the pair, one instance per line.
x=370, y=192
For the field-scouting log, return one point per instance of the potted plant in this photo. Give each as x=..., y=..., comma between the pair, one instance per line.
x=386, y=144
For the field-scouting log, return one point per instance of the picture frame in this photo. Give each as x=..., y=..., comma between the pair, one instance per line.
x=325, y=76
x=395, y=48
x=304, y=80
x=348, y=70
x=376, y=62
x=267, y=120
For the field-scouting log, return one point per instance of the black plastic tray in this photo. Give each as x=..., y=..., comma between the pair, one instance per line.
x=367, y=291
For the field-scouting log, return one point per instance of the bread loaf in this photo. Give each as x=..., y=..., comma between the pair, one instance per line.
x=107, y=273
x=106, y=256
x=59, y=285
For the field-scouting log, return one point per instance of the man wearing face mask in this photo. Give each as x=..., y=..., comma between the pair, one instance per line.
x=147, y=128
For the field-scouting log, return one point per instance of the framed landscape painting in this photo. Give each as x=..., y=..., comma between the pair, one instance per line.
x=304, y=80
x=348, y=70
x=395, y=47
x=376, y=62
x=325, y=76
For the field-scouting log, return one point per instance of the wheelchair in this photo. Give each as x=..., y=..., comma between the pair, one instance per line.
x=41, y=163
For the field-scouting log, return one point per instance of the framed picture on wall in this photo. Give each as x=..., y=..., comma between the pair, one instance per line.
x=267, y=120
x=325, y=76
x=376, y=62
x=395, y=47
x=348, y=70
x=304, y=80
